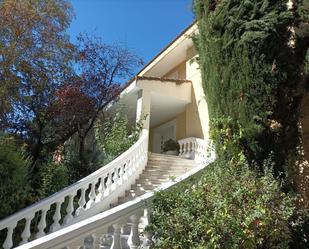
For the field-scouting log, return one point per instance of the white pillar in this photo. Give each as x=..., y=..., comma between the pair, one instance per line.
x=143, y=108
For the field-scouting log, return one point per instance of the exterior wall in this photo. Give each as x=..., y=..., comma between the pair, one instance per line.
x=197, y=114
x=168, y=89
x=193, y=121
x=181, y=125
x=180, y=128
x=179, y=72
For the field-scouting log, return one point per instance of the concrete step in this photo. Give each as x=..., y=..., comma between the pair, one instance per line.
x=166, y=160
x=164, y=173
x=169, y=165
x=159, y=170
x=151, y=177
x=155, y=171
x=151, y=182
x=145, y=187
x=134, y=193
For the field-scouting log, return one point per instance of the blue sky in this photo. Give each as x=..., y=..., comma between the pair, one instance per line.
x=144, y=26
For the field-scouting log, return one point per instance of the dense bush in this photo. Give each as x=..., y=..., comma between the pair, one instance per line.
x=55, y=176
x=91, y=157
x=14, y=181
x=225, y=208
x=115, y=135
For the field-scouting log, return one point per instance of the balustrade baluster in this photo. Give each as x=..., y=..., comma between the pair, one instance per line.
x=130, y=168
x=180, y=148
x=194, y=149
x=101, y=189
x=125, y=171
x=69, y=210
x=114, y=179
x=26, y=233
x=91, y=195
x=96, y=240
x=81, y=202
x=57, y=217
x=147, y=234
x=138, y=161
x=8, y=243
x=134, y=240
x=185, y=148
x=42, y=223
x=119, y=171
x=117, y=237
x=108, y=184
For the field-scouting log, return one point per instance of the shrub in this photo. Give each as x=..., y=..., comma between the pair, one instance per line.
x=115, y=135
x=170, y=145
x=225, y=208
x=14, y=186
x=55, y=176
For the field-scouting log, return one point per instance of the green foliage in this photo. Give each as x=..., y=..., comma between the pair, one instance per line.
x=224, y=208
x=253, y=69
x=170, y=145
x=55, y=176
x=115, y=135
x=91, y=157
x=250, y=76
x=14, y=187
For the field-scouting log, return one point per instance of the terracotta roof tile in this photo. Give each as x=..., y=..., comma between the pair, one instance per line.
x=177, y=81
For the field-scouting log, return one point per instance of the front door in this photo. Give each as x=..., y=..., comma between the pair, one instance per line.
x=163, y=133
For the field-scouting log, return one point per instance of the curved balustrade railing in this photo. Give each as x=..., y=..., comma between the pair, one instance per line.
x=132, y=215
x=85, y=198
x=196, y=148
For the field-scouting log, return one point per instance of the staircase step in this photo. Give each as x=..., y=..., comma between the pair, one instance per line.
x=134, y=193
x=155, y=171
x=170, y=166
x=176, y=161
x=145, y=187
x=151, y=182
x=159, y=170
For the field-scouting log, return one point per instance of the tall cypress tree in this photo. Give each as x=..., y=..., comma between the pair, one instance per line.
x=251, y=62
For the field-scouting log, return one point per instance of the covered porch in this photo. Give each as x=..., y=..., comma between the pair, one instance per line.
x=166, y=108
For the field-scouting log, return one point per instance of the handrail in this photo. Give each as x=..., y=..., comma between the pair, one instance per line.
x=194, y=148
x=135, y=211
x=95, y=192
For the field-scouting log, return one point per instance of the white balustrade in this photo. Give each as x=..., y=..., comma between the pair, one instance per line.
x=109, y=224
x=94, y=193
x=195, y=148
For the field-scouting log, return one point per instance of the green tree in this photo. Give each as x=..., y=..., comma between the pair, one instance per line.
x=252, y=75
x=35, y=54
x=15, y=191
x=115, y=135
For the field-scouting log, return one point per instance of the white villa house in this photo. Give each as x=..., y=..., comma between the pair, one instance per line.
x=110, y=207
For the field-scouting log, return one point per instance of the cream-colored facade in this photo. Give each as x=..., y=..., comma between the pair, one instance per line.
x=169, y=92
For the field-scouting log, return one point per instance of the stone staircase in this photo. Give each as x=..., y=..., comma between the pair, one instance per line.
x=115, y=188
x=160, y=168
